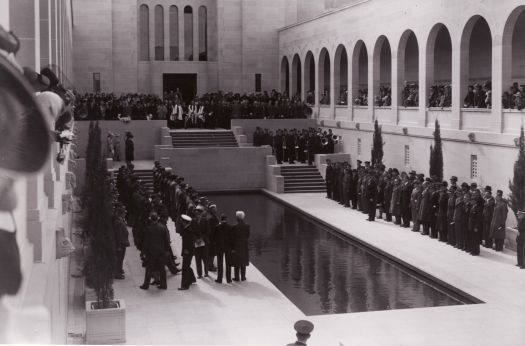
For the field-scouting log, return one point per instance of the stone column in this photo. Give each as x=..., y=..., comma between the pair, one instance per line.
x=371, y=85
x=426, y=77
x=457, y=79
x=497, y=83
x=395, y=85
x=332, y=84
x=349, y=83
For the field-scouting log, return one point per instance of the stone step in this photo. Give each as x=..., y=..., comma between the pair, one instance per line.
x=305, y=182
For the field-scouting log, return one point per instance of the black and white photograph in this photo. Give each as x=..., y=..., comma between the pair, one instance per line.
x=262, y=172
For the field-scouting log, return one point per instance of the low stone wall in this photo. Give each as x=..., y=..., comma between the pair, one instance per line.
x=146, y=134
x=218, y=169
x=249, y=125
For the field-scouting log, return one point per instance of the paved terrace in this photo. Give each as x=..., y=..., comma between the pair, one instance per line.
x=257, y=313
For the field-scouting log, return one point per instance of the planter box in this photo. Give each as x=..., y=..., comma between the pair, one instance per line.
x=106, y=326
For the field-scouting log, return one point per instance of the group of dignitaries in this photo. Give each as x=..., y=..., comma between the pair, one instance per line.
x=204, y=233
x=461, y=215
x=291, y=145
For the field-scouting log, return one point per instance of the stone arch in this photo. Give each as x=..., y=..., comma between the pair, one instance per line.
x=439, y=66
x=408, y=70
x=359, y=70
x=382, y=67
x=296, y=88
x=324, y=76
x=341, y=75
x=285, y=76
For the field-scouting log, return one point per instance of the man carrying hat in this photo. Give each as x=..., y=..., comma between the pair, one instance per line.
x=240, y=250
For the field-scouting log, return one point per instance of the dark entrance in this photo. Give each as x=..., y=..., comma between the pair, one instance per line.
x=186, y=82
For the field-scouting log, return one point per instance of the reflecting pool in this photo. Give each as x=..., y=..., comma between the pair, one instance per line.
x=320, y=271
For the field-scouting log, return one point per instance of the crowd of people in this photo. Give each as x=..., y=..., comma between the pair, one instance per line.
x=410, y=95
x=362, y=98
x=514, y=98
x=208, y=111
x=440, y=96
x=479, y=96
x=384, y=99
x=290, y=145
x=461, y=215
x=205, y=234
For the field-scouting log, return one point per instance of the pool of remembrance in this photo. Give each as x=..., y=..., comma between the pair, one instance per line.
x=322, y=271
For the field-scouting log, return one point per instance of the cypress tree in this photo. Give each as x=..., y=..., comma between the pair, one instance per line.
x=436, y=154
x=377, y=145
x=517, y=185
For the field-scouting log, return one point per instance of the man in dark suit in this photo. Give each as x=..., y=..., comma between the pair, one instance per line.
x=156, y=247
x=222, y=238
x=329, y=178
x=240, y=250
x=371, y=196
x=121, y=240
x=188, y=277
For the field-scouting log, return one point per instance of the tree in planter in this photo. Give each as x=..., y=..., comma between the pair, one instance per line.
x=102, y=256
x=377, y=145
x=517, y=185
x=436, y=154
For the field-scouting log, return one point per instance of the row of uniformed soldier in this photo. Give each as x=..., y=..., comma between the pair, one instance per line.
x=462, y=216
x=205, y=235
x=148, y=217
x=290, y=145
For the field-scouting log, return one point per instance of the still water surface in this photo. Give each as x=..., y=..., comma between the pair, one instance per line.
x=319, y=271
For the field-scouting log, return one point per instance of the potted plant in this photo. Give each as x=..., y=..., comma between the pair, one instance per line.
x=105, y=316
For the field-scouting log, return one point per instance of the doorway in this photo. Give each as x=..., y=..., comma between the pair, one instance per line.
x=185, y=82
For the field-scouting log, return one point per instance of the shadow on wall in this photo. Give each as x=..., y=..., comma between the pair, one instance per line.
x=146, y=134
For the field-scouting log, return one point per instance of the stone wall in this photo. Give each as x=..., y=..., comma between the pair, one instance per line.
x=219, y=169
x=146, y=135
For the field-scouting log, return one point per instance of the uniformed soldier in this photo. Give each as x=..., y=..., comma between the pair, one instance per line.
x=371, y=196
x=488, y=212
x=329, y=179
x=304, y=329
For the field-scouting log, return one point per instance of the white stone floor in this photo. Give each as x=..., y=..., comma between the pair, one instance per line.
x=257, y=313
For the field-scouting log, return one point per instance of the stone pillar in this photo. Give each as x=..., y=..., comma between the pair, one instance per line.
x=371, y=85
x=317, y=86
x=457, y=78
x=395, y=85
x=45, y=37
x=497, y=83
x=332, y=84
x=303, y=79
x=426, y=77
x=349, y=83
x=53, y=19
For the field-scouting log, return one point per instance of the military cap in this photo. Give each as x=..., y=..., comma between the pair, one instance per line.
x=444, y=183
x=453, y=178
x=303, y=327
x=412, y=173
x=473, y=185
x=359, y=162
x=499, y=193
x=396, y=171
x=464, y=185
x=488, y=188
x=186, y=218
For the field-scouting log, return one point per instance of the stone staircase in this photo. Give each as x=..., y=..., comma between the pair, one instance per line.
x=145, y=175
x=203, y=139
x=302, y=178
